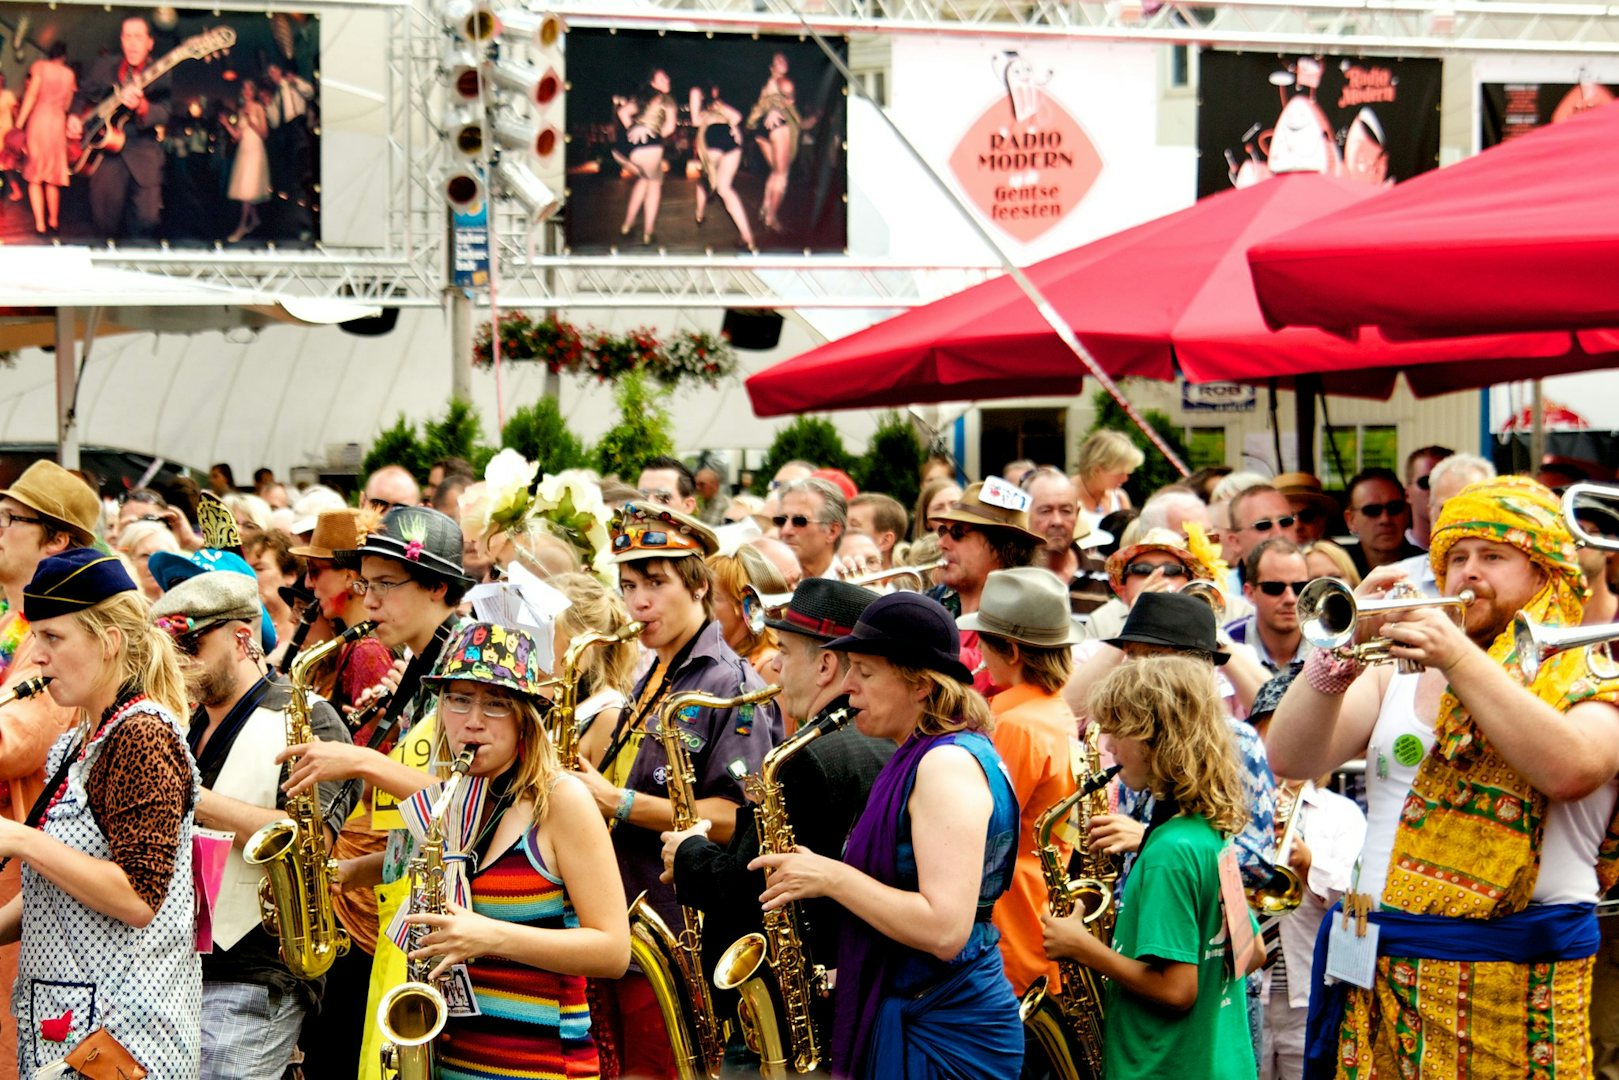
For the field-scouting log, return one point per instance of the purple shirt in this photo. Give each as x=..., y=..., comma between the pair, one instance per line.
x=724, y=744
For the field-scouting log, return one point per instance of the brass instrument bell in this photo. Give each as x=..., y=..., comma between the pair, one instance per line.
x=1330, y=615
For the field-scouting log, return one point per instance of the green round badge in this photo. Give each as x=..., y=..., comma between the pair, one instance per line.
x=1408, y=750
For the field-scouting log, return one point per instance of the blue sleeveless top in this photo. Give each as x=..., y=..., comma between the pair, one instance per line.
x=918, y=969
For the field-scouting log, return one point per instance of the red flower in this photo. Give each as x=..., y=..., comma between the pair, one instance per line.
x=413, y=551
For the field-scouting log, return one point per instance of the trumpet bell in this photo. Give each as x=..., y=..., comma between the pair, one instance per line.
x=1596, y=496
x=1535, y=644
x=758, y=606
x=1327, y=613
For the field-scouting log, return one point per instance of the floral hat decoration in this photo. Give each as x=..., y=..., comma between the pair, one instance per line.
x=568, y=505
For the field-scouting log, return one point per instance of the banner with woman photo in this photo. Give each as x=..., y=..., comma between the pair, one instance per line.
x=144, y=125
x=694, y=142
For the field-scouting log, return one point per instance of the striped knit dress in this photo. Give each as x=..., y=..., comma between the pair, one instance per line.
x=535, y=1023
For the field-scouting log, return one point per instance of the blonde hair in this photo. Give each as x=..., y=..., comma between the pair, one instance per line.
x=950, y=705
x=142, y=655
x=596, y=609
x=537, y=764
x=748, y=567
x=1171, y=705
x=1110, y=451
x=1339, y=557
x=251, y=507
x=1045, y=667
x=137, y=532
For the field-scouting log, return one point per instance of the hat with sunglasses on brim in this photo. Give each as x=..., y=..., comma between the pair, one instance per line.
x=993, y=504
x=1026, y=604
x=493, y=655
x=1305, y=488
x=908, y=629
x=205, y=600
x=417, y=536
x=1172, y=621
x=644, y=530
x=1165, y=541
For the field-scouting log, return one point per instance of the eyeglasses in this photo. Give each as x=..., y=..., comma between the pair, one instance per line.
x=191, y=643
x=1277, y=588
x=1264, y=524
x=492, y=708
x=382, y=506
x=640, y=538
x=1395, y=508
x=8, y=519
x=1308, y=516
x=955, y=530
x=799, y=521
x=360, y=586
x=1147, y=569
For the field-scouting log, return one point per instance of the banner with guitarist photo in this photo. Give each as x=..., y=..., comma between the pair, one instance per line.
x=145, y=125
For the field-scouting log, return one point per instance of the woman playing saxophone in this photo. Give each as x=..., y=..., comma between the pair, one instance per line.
x=533, y=902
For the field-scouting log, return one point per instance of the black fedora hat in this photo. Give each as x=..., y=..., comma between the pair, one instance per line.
x=823, y=609
x=417, y=535
x=1173, y=620
x=909, y=629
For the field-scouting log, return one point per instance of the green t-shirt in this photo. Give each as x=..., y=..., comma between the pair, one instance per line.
x=1172, y=911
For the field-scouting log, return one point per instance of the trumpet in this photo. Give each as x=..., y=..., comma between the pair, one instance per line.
x=758, y=606
x=1208, y=591
x=1594, y=495
x=25, y=689
x=1535, y=643
x=1284, y=891
x=1330, y=614
x=919, y=572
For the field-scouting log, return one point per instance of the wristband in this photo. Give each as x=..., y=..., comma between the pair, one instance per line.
x=626, y=799
x=1330, y=674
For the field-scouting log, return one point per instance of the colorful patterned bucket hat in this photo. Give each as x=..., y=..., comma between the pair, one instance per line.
x=492, y=654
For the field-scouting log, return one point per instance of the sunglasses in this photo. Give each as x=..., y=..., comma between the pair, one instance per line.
x=955, y=530
x=1395, y=508
x=1423, y=482
x=799, y=521
x=191, y=643
x=1277, y=588
x=1169, y=570
x=1264, y=524
x=1308, y=516
x=640, y=538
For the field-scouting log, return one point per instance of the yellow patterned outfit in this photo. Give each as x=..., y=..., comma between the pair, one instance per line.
x=1468, y=847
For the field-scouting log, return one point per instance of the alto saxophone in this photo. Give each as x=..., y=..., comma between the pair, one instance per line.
x=411, y=1015
x=295, y=894
x=674, y=964
x=565, y=733
x=1068, y=1025
x=784, y=999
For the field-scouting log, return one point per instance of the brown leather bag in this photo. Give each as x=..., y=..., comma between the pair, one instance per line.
x=99, y=1056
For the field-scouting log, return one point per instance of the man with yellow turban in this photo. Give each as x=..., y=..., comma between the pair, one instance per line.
x=1491, y=798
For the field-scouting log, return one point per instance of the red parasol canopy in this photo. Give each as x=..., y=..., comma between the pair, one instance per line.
x=1524, y=236
x=1170, y=297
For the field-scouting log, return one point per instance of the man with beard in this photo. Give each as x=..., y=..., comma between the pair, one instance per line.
x=1489, y=797
x=1273, y=576
x=252, y=1006
x=355, y=677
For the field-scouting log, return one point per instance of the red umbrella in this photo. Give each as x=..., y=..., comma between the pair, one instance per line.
x=1169, y=297
x=1524, y=236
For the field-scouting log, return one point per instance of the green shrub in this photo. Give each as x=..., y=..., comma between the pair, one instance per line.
x=458, y=433
x=808, y=438
x=643, y=431
x=397, y=445
x=539, y=433
x=892, y=463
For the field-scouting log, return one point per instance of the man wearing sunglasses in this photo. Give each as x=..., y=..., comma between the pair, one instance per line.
x=1274, y=576
x=667, y=482
x=812, y=520
x=1379, y=515
x=391, y=486
x=252, y=1006
x=1258, y=513
x=1419, y=464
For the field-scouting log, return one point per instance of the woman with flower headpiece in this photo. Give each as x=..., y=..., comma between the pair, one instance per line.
x=535, y=901
x=1491, y=796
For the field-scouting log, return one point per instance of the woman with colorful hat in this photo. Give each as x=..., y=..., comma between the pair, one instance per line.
x=107, y=917
x=536, y=905
x=918, y=964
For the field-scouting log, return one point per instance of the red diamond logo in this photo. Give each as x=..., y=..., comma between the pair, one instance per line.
x=1026, y=172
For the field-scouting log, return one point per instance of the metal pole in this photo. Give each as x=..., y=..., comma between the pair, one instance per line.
x=67, y=373
x=460, y=344
x=1537, y=433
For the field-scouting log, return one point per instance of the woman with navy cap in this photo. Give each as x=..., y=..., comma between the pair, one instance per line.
x=107, y=918
x=923, y=866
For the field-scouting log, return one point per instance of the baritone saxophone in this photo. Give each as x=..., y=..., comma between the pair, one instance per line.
x=295, y=894
x=781, y=999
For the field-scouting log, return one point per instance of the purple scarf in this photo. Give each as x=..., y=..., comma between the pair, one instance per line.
x=864, y=955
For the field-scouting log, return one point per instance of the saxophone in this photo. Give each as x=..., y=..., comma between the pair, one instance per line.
x=674, y=964
x=411, y=1015
x=1068, y=1025
x=295, y=894
x=565, y=733
x=783, y=1000
x=25, y=689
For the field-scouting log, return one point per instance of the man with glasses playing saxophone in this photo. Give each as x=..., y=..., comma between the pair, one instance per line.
x=1491, y=800
x=252, y=1005
x=824, y=788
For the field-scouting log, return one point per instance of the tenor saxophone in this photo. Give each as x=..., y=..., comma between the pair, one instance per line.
x=565, y=733
x=1068, y=1024
x=673, y=964
x=782, y=999
x=411, y=1015
x=295, y=894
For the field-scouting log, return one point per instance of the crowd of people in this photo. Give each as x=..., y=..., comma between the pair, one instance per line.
x=1023, y=744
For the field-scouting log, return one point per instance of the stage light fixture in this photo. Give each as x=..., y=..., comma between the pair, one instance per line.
x=472, y=20
x=466, y=133
x=538, y=86
x=464, y=190
x=518, y=181
x=543, y=29
x=463, y=74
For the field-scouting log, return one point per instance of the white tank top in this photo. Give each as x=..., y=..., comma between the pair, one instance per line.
x=1400, y=741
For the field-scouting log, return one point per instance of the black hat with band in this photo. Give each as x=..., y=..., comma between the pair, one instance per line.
x=823, y=609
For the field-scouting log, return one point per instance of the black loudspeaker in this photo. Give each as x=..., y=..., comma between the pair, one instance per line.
x=374, y=326
x=757, y=330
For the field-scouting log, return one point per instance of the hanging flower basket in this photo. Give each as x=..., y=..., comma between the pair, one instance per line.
x=687, y=356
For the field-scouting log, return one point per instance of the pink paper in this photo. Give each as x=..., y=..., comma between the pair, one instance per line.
x=208, y=854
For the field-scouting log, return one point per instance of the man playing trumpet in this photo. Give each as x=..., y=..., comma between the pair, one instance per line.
x=1491, y=801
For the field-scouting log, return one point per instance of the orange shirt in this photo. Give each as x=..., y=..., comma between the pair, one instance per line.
x=27, y=730
x=1034, y=733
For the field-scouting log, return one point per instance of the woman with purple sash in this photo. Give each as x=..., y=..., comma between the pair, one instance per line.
x=921, y=992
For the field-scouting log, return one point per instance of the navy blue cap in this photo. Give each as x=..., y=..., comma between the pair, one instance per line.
x=78, y=578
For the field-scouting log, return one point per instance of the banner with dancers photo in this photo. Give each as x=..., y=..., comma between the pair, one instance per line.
x=697, y=142
x=1367, y=118
x=142, y=125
